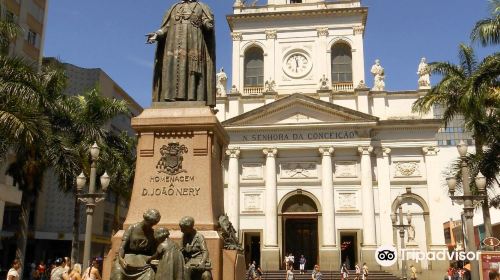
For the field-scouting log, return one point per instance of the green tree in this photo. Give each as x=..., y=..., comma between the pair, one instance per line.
x=29, y=101
x=487, y=31
x=88, y=117
x=470, y=90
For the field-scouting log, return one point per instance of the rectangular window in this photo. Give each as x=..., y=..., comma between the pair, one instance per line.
x=9, y=16
x=32, y=37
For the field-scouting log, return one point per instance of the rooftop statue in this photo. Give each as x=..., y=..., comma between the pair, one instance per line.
x=184, y=67
x=378, y=76
x=424, y=75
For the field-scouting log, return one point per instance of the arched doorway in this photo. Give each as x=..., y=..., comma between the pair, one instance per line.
x=299, y=222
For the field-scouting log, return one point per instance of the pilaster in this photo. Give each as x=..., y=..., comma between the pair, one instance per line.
x=384, y=193
x=233, y=209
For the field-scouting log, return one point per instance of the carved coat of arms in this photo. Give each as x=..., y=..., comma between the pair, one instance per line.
x=171, y=159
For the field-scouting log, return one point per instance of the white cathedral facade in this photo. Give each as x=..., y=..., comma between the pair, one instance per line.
x=316, y=159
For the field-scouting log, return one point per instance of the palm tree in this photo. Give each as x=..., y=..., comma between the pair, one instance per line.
x=487, y=31
x=470, y=90
x=28, y=102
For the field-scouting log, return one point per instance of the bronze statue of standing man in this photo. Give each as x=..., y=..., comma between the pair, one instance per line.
x=185, y=56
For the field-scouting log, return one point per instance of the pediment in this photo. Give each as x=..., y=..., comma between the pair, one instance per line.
x=298, y=109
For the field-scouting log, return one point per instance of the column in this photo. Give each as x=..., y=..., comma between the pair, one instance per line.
x=367, y=196
x=271, y=226
x=384, y=194
x=435, y=197
x=327, y=197
x=233, y=187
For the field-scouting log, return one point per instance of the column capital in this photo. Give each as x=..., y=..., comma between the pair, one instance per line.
x=233, y=152
x=271, y=34
x=430, y=150
x=322, y=31
x=365, y=150
x=270, y=152
x=237, y=36
x=357, y=30
x=383, y=151
x=326, y=151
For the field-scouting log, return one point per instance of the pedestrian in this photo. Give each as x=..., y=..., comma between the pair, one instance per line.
x=76, y=272
x=316, y=274
x=67, y=265
x=291, y=260
x=344, y=272
x=286, y=261
x=58, y=272
x=358, y=271
x=13, y=273
x=251, y=271
x=289, y=274
x=493, y=275
x=258, y=273
x=32, y=270
x=365, y=271
x=450, y=272
x=413, y=272
x=42, y=270
x=92, y=272
x=348, y=262
x=302, y=264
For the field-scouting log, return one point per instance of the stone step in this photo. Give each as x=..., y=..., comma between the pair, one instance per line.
x=327, y=275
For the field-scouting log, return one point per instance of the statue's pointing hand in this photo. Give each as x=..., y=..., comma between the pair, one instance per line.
x=151, y=38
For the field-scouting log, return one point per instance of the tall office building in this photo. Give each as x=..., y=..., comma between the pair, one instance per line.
x=31, y=15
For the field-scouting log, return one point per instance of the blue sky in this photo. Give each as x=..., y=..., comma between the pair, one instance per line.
x=109, y=34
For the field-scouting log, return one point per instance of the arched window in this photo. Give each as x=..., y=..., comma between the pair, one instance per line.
x=341, y=63
x=254, y=67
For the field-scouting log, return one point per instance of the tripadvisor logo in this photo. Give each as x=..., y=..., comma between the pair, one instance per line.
x=387, y=255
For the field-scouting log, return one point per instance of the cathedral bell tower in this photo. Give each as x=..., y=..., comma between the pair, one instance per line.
x=297, y=46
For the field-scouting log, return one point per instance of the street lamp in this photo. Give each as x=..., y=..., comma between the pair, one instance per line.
x=468, y=200
x=91, y=198
x=398, y=223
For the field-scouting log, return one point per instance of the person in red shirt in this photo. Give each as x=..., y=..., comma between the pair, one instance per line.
x=41, y=268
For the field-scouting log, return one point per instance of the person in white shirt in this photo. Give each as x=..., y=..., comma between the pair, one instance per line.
x=13, y=273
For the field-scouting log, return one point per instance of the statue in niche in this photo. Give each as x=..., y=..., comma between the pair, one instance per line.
x=138, y=246
x=379, y=76
x=411, y=233
x=195, y=252
x=184, y=67
x=424, y=74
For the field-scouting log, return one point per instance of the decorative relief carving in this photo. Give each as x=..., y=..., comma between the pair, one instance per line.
x=346, y=169
x=358, y=30
x=237, y=36
x=347, y=201
x=252, y=202
x=430, y=151
x=271, y=34
x=322, y=31
x=407, y=169
x=251, y=171
x=298, y=170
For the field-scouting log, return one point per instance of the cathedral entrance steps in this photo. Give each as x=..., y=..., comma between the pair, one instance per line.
x=327, y=275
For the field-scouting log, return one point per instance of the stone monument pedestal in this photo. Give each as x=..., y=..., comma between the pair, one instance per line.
x=179, y=172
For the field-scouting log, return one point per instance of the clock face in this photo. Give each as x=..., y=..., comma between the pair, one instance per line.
x=297, y=65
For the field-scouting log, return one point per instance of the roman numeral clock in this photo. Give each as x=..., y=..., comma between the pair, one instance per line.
x=297, y=64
